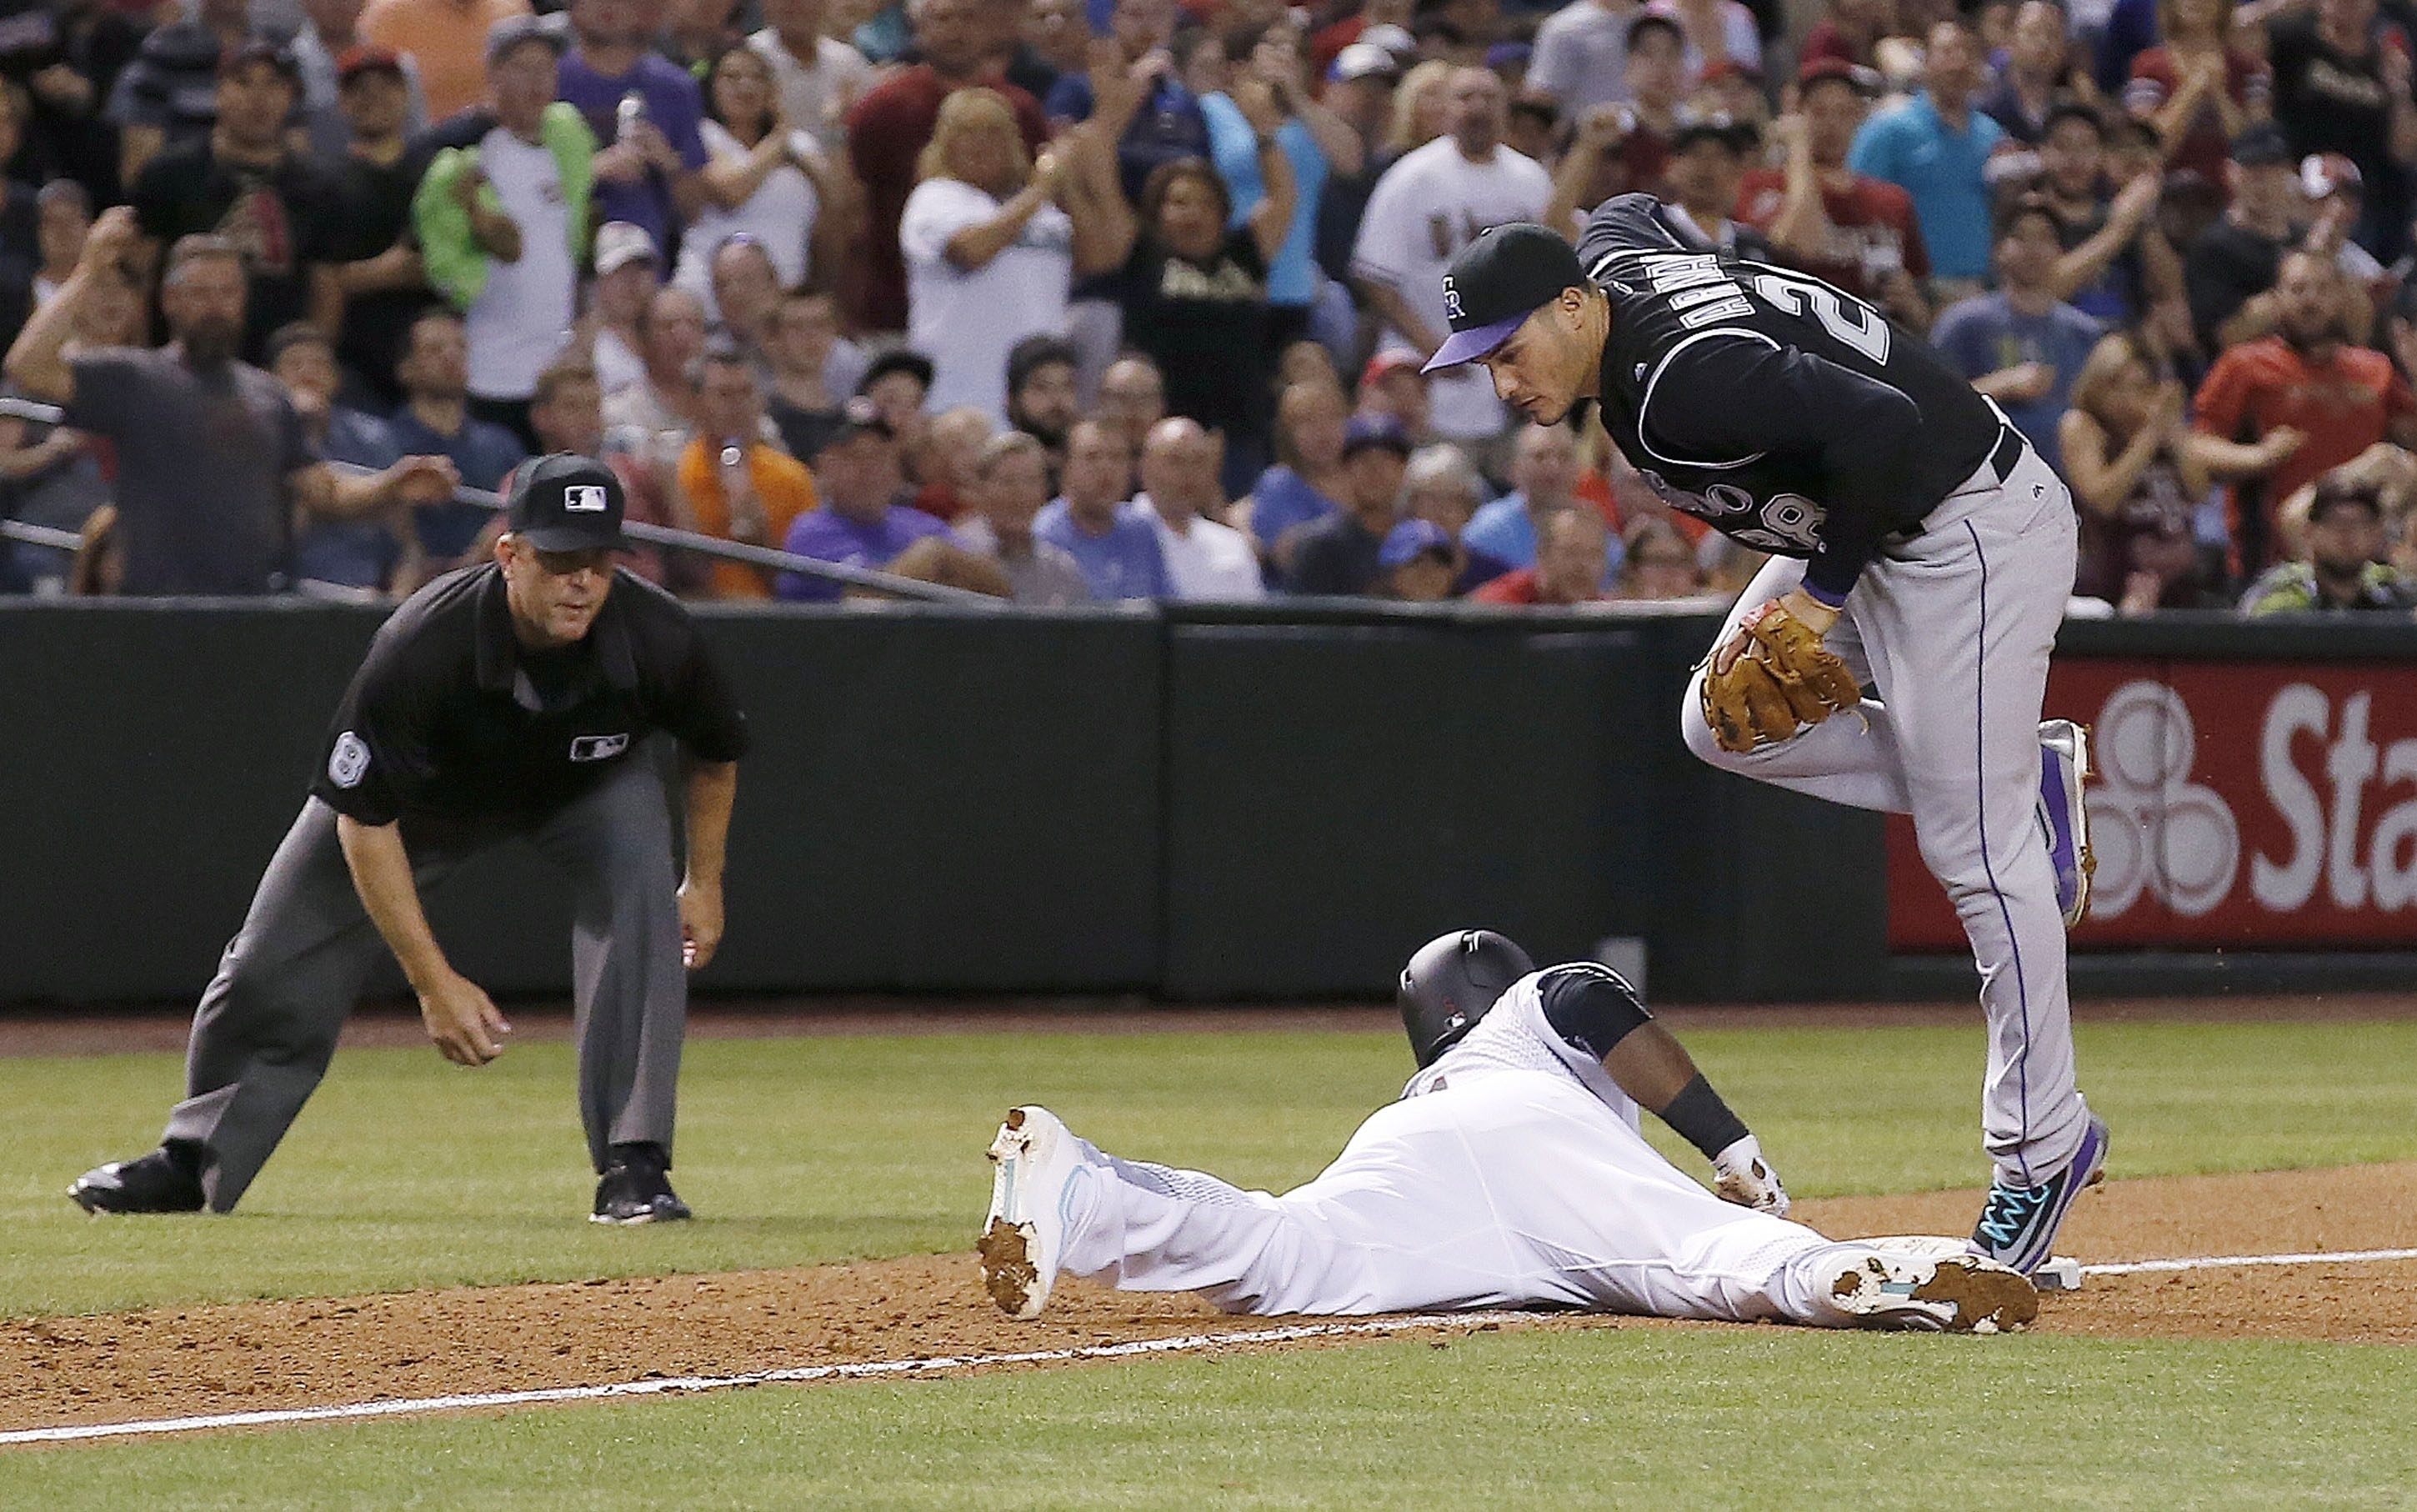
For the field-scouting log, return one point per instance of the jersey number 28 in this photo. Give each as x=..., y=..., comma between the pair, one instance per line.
x=1851, y=321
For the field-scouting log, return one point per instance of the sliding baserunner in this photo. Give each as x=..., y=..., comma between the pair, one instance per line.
x=1511, y=1173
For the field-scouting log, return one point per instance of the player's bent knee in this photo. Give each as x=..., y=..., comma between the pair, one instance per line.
x=1697, y=732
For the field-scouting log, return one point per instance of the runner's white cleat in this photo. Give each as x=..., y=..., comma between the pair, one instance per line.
x=1949, y=1294
x=1024, y=1239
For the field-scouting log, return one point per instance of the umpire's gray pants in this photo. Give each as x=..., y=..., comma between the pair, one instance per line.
x=267, y=1025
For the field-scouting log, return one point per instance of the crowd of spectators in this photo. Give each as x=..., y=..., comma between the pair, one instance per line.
x=1097, y=300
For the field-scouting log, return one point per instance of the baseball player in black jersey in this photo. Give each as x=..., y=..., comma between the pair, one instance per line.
x=1918, y=547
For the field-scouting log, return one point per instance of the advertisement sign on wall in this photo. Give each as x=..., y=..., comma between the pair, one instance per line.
x=2253, y=805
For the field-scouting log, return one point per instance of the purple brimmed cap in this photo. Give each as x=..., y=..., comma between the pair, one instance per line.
x=1496, y=282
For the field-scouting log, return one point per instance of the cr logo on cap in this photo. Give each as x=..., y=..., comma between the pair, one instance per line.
x=1451, y=299
x=584, y=498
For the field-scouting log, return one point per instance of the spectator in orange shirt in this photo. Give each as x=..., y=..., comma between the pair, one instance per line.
x=447, y=37
x=2276, y=413
x=732, y=483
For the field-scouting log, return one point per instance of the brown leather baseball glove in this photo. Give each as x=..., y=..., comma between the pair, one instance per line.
x=1772, y=678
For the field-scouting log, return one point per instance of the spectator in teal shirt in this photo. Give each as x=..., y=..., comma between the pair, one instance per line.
x=1316, y=142
x=1936, y=147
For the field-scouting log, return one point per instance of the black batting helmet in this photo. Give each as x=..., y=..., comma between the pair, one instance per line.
x=1450, y=982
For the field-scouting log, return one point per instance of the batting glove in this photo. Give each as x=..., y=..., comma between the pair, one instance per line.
x=1747, y=1180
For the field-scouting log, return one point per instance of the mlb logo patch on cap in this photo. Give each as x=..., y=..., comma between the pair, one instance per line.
x=566, y=503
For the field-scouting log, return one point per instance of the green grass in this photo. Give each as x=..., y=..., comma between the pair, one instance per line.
x=407, y=1172
x=1628, y=1418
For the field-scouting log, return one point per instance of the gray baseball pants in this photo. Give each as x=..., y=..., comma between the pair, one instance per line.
x=1955, y=628
x=269, y=1022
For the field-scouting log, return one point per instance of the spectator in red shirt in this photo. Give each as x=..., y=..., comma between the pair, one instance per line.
x=2279, y=412
x=1843, y=227
x=1853, y=33
x=2199, y=90
x=1622, y=148
x=890, y=127
x=1570, y=562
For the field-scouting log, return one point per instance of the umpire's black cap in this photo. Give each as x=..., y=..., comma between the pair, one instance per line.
x=1496, y=282
x=566, y=502
x=1450, y=982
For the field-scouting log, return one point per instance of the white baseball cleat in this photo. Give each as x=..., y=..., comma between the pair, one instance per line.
x=1948, y=1293
x=1024, y=1237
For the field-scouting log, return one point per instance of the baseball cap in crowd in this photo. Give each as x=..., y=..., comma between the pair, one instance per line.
x=2322, y=174
x=1387, y=362
x=1409, y=541
x=1864, y=82
x=262, y=50
x=1363, y=60
x=618, y=243
x=1496, y=282
x=366, y=58
x=1365, y=431
x=1392, y=38
x=859, y=417
x=2262, y=146
x=566, y=502
x=510, y=32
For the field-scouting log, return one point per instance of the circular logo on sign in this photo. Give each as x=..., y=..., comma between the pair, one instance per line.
x=350, y=761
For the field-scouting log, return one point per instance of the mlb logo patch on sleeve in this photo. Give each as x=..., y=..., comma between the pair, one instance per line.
x=584, y=498
x=598, y=747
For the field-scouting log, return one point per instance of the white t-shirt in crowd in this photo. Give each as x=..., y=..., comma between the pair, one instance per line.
x=816, y=99
x=1582, y=56
x=779, y=214
x=1428, y=207
x=617, y=364
x=520, y=320
x=968, y=322
x=1206, y=561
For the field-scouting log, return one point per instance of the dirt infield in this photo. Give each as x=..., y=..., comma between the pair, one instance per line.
x=255, y=1356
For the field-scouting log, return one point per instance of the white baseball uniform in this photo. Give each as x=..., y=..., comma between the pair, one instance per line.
x=1511, y=1173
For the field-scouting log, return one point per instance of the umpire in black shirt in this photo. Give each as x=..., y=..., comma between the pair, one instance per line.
x=509, y=700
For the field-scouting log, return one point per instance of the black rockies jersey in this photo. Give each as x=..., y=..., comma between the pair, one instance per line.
x=1764, y=402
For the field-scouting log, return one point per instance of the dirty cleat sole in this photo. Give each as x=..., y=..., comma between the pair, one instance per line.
x=1034, y=1160
x=1949, y=1293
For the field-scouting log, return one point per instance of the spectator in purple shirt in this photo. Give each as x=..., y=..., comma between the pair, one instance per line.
x=647, y=173
x=863, y=521
x=1113, y=540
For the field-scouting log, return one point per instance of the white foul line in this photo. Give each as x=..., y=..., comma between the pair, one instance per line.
x=1187, y=1343
x=2211, y=1262
x=397, y=1407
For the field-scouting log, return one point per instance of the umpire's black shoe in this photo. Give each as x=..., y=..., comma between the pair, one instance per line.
x=634, y=1189
x=168, y=1180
